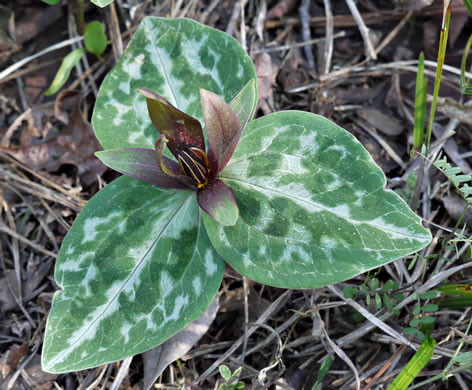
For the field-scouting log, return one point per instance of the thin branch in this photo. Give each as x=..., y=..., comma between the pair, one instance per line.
x=19, y=237
x=315, y=41
x=49, y=49
x=329, y=36
x=304, y=11
x=364, y=30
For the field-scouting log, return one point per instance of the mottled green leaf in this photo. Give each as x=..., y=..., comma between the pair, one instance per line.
x=51, y=2
x=102, y=3
x=135, y=268
x=313, y=209
x=69, y=61
x=95, y=39
x=174, y=58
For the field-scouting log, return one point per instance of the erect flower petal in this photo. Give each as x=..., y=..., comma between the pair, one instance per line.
x=218, y=201
x=222, y=129
x=141, y=164
x=177, y=126
x=244, y=106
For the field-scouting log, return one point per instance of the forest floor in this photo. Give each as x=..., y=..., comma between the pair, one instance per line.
x=308, y=58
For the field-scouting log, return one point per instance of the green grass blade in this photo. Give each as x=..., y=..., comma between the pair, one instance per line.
x=457, y=289
x=466, y=87
x=468, y=4
x=420, y=104
x=322, y=373
x=414, y=366
x=439, y=69
x=455, y=303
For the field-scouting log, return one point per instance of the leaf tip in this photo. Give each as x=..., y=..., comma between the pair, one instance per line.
x=148, y=94
x=204, y=92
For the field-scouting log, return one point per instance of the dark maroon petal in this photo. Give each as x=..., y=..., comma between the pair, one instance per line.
x=222, y=129
x=141, y=164
x=177, y=126
x=218, y=201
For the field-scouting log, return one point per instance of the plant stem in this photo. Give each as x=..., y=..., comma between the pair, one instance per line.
x=80, y=17
x=440, y=376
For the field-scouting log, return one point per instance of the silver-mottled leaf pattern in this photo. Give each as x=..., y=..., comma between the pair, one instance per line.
x=312, y=205
x=135, y=268
x=174, y=58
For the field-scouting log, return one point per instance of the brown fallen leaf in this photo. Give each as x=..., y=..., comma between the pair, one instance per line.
x=455, y=207
x=455, y=29
x=265, y=81
x=31, y=128
x=66, y=101
x=358, y=94
x=12, y=357
x=33, y=280
x=35, y=20
x=455, y=110
x=291, y=73
x=7, y=30
x=49, y=147
x=377, y=152
x=157, y=359
x=431, y=30
x=44, y=379
x=279, y=10
x=382, y=122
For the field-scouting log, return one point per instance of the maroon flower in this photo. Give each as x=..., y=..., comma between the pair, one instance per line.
x=193, y=167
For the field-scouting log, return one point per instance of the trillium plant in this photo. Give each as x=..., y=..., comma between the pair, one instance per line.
x=183, y=135
x=289, y=200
